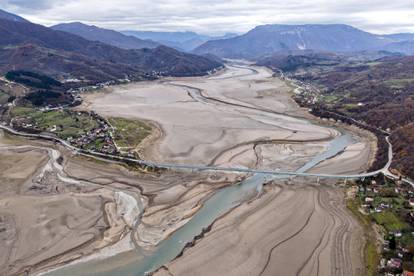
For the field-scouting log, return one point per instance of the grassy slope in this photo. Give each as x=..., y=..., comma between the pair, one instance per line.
x=129, y=133
x=69, y=124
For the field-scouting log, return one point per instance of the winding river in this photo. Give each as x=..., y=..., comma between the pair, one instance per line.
x=138, y=263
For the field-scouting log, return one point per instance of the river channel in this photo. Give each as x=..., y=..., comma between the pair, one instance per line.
x=138, y=263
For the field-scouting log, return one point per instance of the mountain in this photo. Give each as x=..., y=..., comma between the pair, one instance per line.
x=404, y=47
x=186, y=41
x=110, y=37
x=400, y=37
x=267, y=39
x=12, y=17
x=27, y=46
x=293, y=60
x=301, y=61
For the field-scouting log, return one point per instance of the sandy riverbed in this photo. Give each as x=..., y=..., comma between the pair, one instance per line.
x=245, y=117
x=296, y=229
x=240, y=117
x=218, y=119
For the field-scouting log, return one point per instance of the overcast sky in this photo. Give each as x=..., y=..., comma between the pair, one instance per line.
x=218, y=16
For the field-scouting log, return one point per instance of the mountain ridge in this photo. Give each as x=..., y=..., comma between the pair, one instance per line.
x=186, y=40
x=111, y=37
x=27, y=46
x=12, y=17
x=267, y=39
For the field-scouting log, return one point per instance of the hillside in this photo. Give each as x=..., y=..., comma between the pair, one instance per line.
x=12, y=17
x=186, y=41
x=26, y=46
x=379, y=93
x=110, y=37
x=405, y=47
x=294, y=60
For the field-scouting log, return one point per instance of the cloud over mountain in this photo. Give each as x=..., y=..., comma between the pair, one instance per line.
x=217, y=17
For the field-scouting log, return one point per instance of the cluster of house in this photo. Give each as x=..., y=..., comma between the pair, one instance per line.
x=373, y=191
x=373, y=203
x=75, y=91
x=308, y=93
x=98, y=139
x=26, y=124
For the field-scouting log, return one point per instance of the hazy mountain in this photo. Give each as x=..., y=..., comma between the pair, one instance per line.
x=28, y=46
x=186, y=41
x=400, y=37
x=404, y=47
x=110, y=37
x=267, y=39
x=12, y=17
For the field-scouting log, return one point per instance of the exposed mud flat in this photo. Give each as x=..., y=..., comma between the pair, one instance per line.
x=58, y=210
x=213, y=120
x=244, y=117
x=99, y=217
x=300, y=229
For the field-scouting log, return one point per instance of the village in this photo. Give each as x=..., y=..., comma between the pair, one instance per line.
x=389, y=205
x=83, y=130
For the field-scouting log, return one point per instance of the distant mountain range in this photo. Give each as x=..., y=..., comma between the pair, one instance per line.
x=110, y=37
x=268, y=39
x=27, y=46
x=186, y=41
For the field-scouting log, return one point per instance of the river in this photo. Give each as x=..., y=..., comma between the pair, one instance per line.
x=138, y=263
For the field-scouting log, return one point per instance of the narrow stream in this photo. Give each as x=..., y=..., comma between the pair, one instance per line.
x=134, y=263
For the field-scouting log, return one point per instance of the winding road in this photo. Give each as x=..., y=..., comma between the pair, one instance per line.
x=89, y=153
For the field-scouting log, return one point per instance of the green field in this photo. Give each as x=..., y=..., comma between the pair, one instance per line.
x=68, y=123
x=129, y=133
x=330, y=98
x=389, y=221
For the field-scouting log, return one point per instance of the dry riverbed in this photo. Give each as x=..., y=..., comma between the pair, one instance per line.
x=299, y=229
x=85, y=210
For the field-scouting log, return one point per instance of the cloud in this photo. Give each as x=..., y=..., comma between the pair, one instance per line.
x=25, y=6
x=217, y=16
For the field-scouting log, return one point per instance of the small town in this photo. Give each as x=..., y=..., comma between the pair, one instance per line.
x=389, y=206
x=83, y=130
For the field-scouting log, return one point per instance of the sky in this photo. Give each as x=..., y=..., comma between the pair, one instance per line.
x=216, y=17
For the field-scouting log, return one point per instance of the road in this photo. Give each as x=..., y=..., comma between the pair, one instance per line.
x=87, y=153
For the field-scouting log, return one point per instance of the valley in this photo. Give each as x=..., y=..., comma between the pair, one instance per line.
x=138, y=141
x=249, y=120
